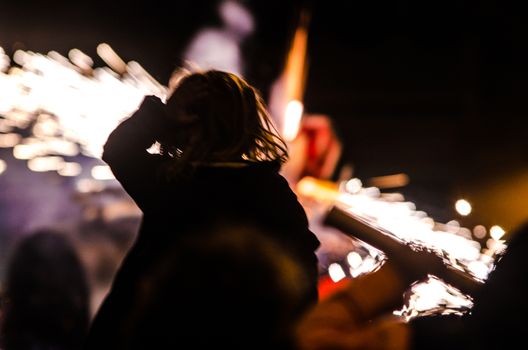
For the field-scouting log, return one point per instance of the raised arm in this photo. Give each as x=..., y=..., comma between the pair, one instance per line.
x=125, y=151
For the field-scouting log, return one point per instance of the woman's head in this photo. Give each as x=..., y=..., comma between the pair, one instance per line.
x=219, y=117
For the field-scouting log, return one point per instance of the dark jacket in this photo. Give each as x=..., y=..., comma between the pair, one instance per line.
x=251, y=193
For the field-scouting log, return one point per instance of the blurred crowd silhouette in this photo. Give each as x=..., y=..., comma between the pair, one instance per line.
x=236, y=286
x=45, y=304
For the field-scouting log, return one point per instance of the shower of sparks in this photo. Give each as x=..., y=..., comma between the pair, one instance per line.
x=52, y=106
x=432, y=297
x=415, y=228
x=391, y=213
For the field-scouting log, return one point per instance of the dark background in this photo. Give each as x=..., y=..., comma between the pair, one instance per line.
x=434, y=89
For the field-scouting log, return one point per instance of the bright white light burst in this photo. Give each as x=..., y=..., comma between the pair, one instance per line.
x=64, y=107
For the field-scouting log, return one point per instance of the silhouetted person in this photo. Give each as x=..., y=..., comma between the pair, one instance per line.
x=232, y=288
x=220, y=160
x=47, y=295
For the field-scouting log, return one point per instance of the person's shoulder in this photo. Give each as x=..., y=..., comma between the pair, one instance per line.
x=269, y=171
x=263, y=165
x=262, y=176
x=270, y=168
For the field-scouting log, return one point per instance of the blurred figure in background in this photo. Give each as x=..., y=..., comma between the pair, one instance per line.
x=233, y=288
x=218, y=160
x=220, y=47
x=46, y=302
x=359, y=315
x=316, y=150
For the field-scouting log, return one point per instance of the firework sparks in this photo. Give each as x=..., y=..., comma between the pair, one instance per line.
x=55, y=106
x=390, y=214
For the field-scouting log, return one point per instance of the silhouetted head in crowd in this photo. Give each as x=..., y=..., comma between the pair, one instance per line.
x=232, y=288
x=216, y=116
x=47, y=295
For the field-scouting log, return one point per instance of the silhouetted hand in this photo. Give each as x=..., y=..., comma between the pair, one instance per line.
x=415, y=265
x=151, y=106
x=185, y=103
x=156, y=119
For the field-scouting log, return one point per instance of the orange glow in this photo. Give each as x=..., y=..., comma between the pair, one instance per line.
x=295, y=71
x=111, y=58
x=291, y=83
x=327, y=287
x=389, y=181
x=321, y=190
